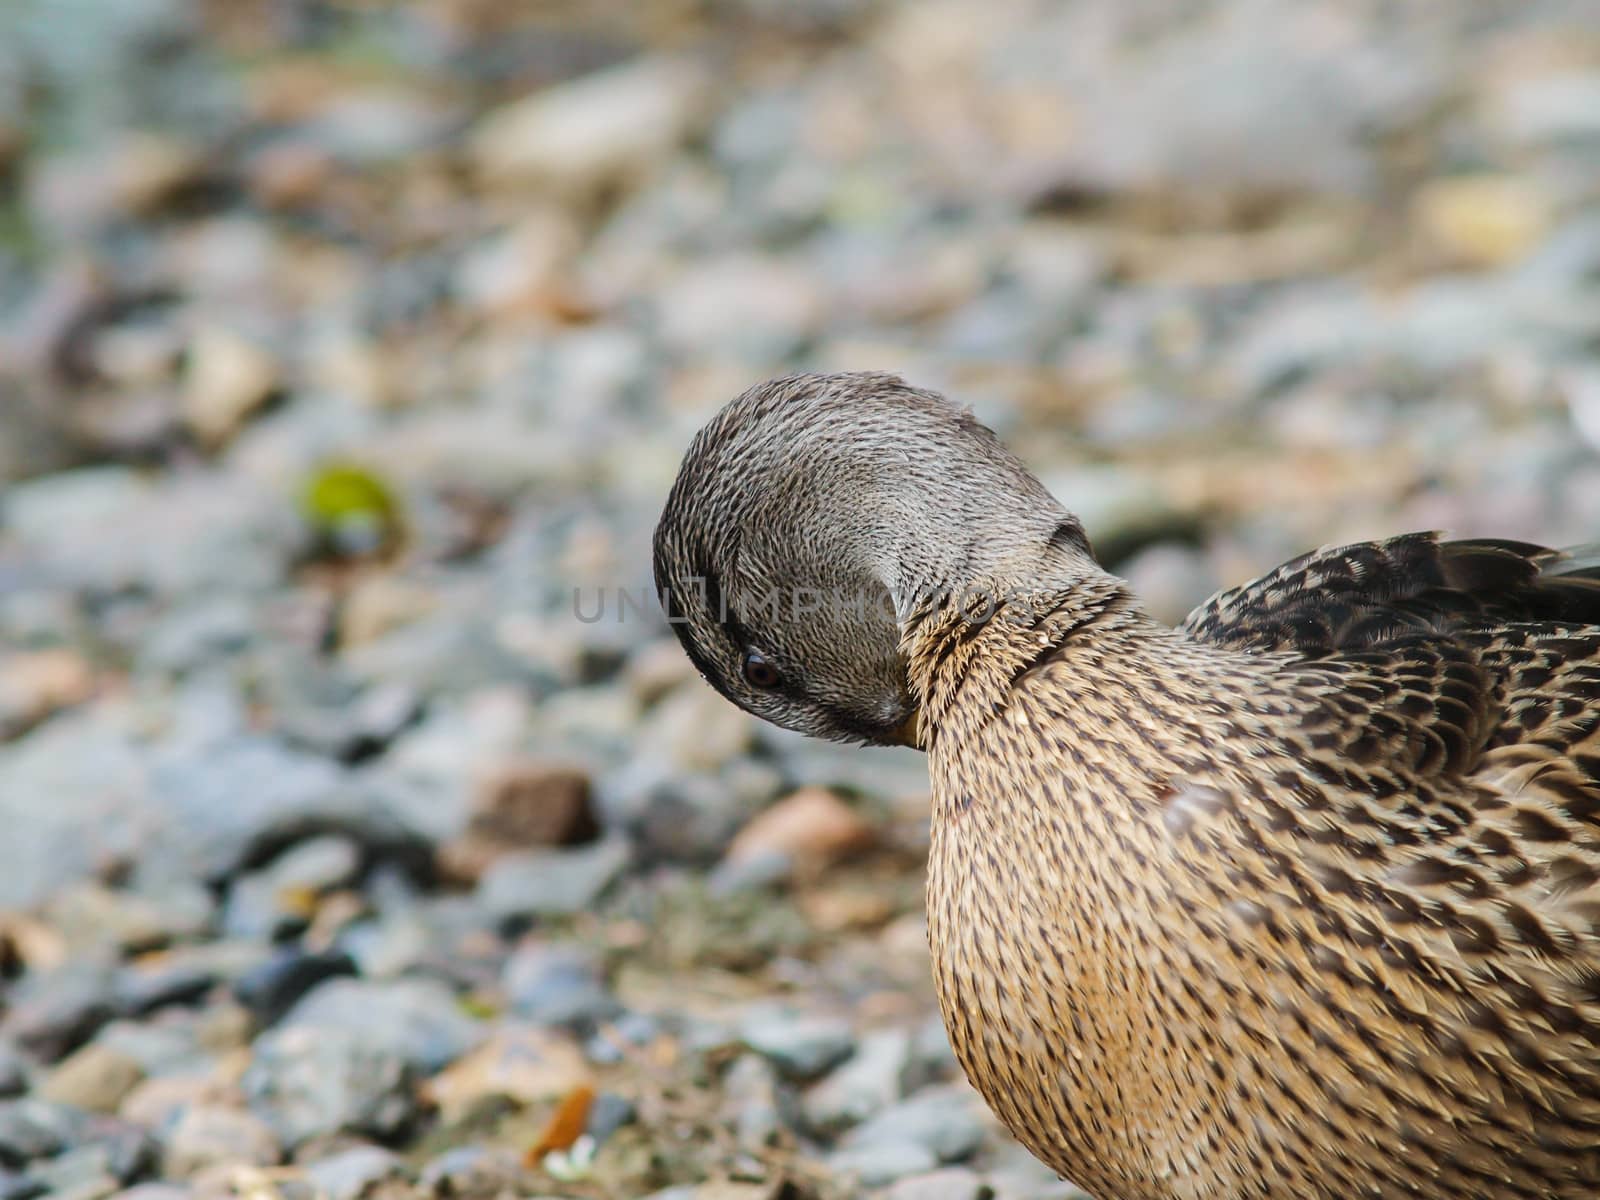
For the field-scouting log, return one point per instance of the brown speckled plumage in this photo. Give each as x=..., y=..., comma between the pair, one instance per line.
x=1300, y=899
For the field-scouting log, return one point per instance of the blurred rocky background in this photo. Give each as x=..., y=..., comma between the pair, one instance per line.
x=341, y=340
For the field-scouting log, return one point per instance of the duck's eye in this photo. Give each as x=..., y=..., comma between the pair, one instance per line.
x=760, y=673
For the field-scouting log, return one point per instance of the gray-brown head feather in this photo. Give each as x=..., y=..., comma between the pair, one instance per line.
x=811, y=511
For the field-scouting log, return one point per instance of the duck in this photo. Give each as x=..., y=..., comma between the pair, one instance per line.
x=1297, y=900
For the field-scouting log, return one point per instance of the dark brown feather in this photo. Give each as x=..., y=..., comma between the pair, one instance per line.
x=1370, y=593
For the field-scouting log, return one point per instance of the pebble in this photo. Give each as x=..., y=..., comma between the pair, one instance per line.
x=1171, y=579
x=675, y=817
x=153, y=1191
x=53, y=1013
x=307, y=1081
x=518, y=804
x=349, y=1174
x=877, y=1163
x=275, y=986
x=753, y=1103
x=472, y=1173
x=209, y=1135
x=695, y=729
x=158, y=1102
x=417, y=1019
x=811, y=829
x=36, y=684
x=229, y=377
x=608, y=1113
x=944, y=1120
x=557, y=985
x=13, y=1070
x=135, y=922
x=159, y=1047
x=283, y=894
x=544, y=883
x=79, y=1174
x=95, y=1078
x=801, y=1046
x=1482, y=220
x=33, y=1128
x=871, y=1080
x=600, y=130
x=526, y=1063
x=949, y=1183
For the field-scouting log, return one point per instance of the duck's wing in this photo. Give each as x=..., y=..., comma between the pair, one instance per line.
x=1437, y=793
x=1343, y=599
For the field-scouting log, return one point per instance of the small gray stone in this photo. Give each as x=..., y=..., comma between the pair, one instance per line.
x=1170, y=579
x=871, y=1080
x=545, y=883
x=32, y=1129
x=354, y=726
x=319, y=864
x=92, y=917
x=945, y=1120
x=686, y=817
x=557, y=985
x=950, y=1183
x=266, y=902
x=53, y=1013
x=156, y=1048
x=388, y=947
x=274, y=986
x=143, y=987
x=309, y=1081
x=79, y=1174
x=753, y=872
x=119, y=1149
x=417, y=1020
x=230, y=798
x=472, y=1173
x=207, y=1135
x=13, y=1069
x=752, y=1101
x=629, y=1029
x=348, y=1174
x=609, y=1113
x=1552, y=107
x=934, y=1056
x=193, y=636
x=878, y=1163
x=800, y=1046
x=94, y=774
x=374, y=125
x=109, y=529
x=1017, y=1175
x=253, y=910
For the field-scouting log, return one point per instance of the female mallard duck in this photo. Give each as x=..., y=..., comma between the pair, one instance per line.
x=1298, y=900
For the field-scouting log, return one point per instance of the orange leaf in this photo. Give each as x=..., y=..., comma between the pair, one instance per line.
x=565, y=1125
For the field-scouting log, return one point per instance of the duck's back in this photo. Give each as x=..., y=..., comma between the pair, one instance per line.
x=1300, y=900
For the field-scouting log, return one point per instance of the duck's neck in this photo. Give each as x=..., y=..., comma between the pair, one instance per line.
x=1052, y=745
x=978, y=642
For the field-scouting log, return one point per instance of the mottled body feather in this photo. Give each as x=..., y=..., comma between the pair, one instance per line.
x=1301, y=899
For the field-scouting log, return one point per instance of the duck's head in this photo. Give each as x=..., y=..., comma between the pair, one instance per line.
x=815, y=516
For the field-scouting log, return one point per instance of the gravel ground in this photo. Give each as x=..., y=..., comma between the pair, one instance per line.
x=358, y=840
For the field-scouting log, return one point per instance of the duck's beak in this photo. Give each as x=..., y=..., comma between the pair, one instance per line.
x=909, y=731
